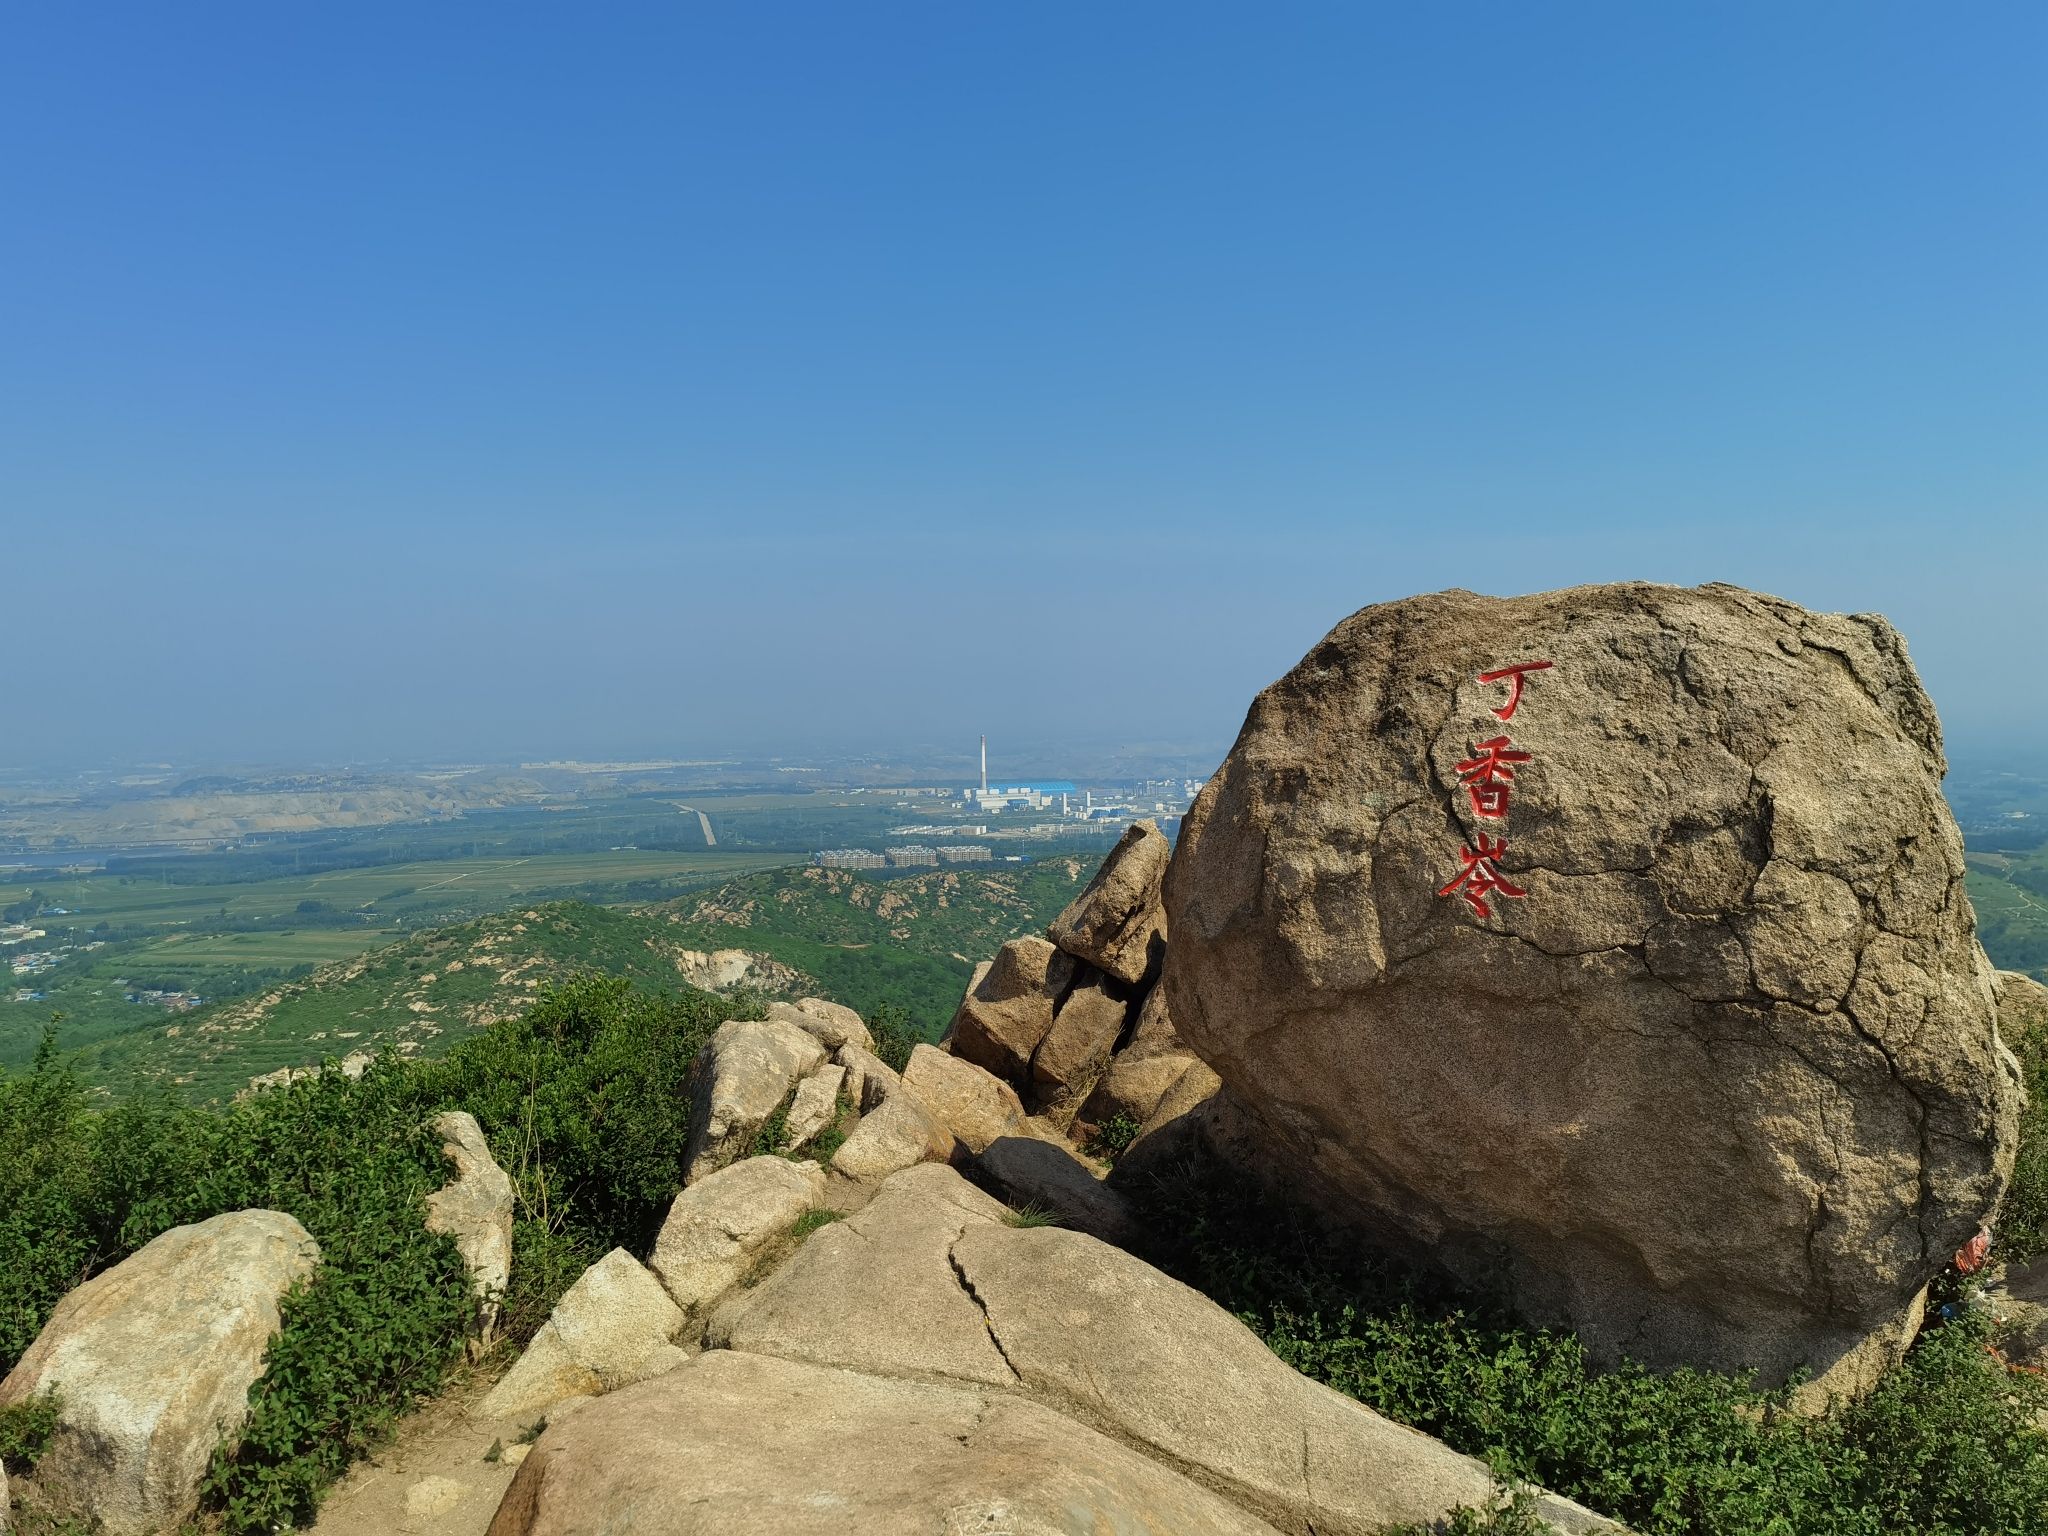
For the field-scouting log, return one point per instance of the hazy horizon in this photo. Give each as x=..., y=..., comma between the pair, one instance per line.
x=462, y=385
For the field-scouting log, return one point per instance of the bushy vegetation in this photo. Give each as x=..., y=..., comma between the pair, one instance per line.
x=1945, y=1446
x=25, y=1429
x=2023, y=1220
x=898, y=942
x=583, y=1099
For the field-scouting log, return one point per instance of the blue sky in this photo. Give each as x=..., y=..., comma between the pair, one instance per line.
x=476, y=381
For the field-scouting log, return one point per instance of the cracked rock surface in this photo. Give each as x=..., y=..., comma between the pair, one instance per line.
x=929, y=1283
x=731, y=1443
x=1724, y=1086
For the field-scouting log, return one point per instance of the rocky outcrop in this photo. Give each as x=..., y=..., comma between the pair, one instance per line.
x=351, y=1066
x=1117, y=1343
x=741, y=1077
x=815, y=1106
x=476, y=1209
x=732, y=1444
x=719, y=1226
x=931, y=1283
x=1118, y=922
x=613, y=1327
x=1610, y=947
x=1076, y=1023
x=877, y=1291
x=153, y=1360
x=1006, y=1014
x=897, y=1134
x=869, y=1079
x=720, y=970
x=830, y=1024
x=1144, y=1070
x=1085, y=1029
x=1048, y=1174
x=973, y=1106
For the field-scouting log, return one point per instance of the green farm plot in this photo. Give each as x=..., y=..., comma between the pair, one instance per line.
x=2010, y=893
x=286, y=947
x=456, y=886
x=120, y=936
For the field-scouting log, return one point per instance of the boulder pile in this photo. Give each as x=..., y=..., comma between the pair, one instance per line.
x=972, y=1374
x=1075, y=1022
x=1609, y=948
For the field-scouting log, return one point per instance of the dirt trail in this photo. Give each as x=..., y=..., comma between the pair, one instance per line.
x=432, y=1480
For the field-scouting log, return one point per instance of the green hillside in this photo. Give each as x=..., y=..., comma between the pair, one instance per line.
x=418, y=995
x=912, y=941
x=2010, y=893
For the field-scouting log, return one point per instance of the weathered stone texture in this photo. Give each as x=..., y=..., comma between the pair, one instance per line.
x=974, y=1106
x=475, y=1208
x=1725, y=1085
x=1009, y=1010
x=743, y=1445
x=742, y=1076
x=613, y=1327
x=153, y=1360
x=1118, y=924
x=717, y=1227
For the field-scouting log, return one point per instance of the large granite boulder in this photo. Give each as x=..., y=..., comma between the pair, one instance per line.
x=475, y=1208
x=897, y=1134
x=830, y=1024
x=869, y=1079
x=975, y=1107
x=743, y=1074
x=930, y=1282
x=1110, y=1339
x=153, y=1360
x=1142, y=1074
x=878, y=1291
x=613, y=1327
x=1009, y=1008
x=1075, y=1050
x=718, y=1227
x=743, y=1445
x=1117, y=923
x=814, y=1108
x=1610, y=946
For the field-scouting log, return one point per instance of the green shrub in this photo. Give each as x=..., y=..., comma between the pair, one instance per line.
x=582, y=1098
x=896, y=1035
x=810, y=1221
x=833, y=1137
x=25, y=1428
x=1510, y=1512
x=1032, y=1214
x=774, y=1131
x=1114, y=1136
x=1945, y=1445
x=2023, y=1219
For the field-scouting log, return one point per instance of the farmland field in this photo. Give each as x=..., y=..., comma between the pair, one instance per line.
x=113, y=937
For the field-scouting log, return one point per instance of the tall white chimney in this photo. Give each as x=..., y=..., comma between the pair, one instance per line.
x=984, y=765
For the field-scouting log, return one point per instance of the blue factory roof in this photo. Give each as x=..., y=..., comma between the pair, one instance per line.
x=1043, y=786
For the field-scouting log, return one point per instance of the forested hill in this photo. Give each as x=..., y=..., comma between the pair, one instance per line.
x=908, y=942
x=418, y=995
x=912, y=941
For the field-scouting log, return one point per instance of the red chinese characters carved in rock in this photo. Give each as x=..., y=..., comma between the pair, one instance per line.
x=1489, y=775
x=1480, y=878
x=1513, y=676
